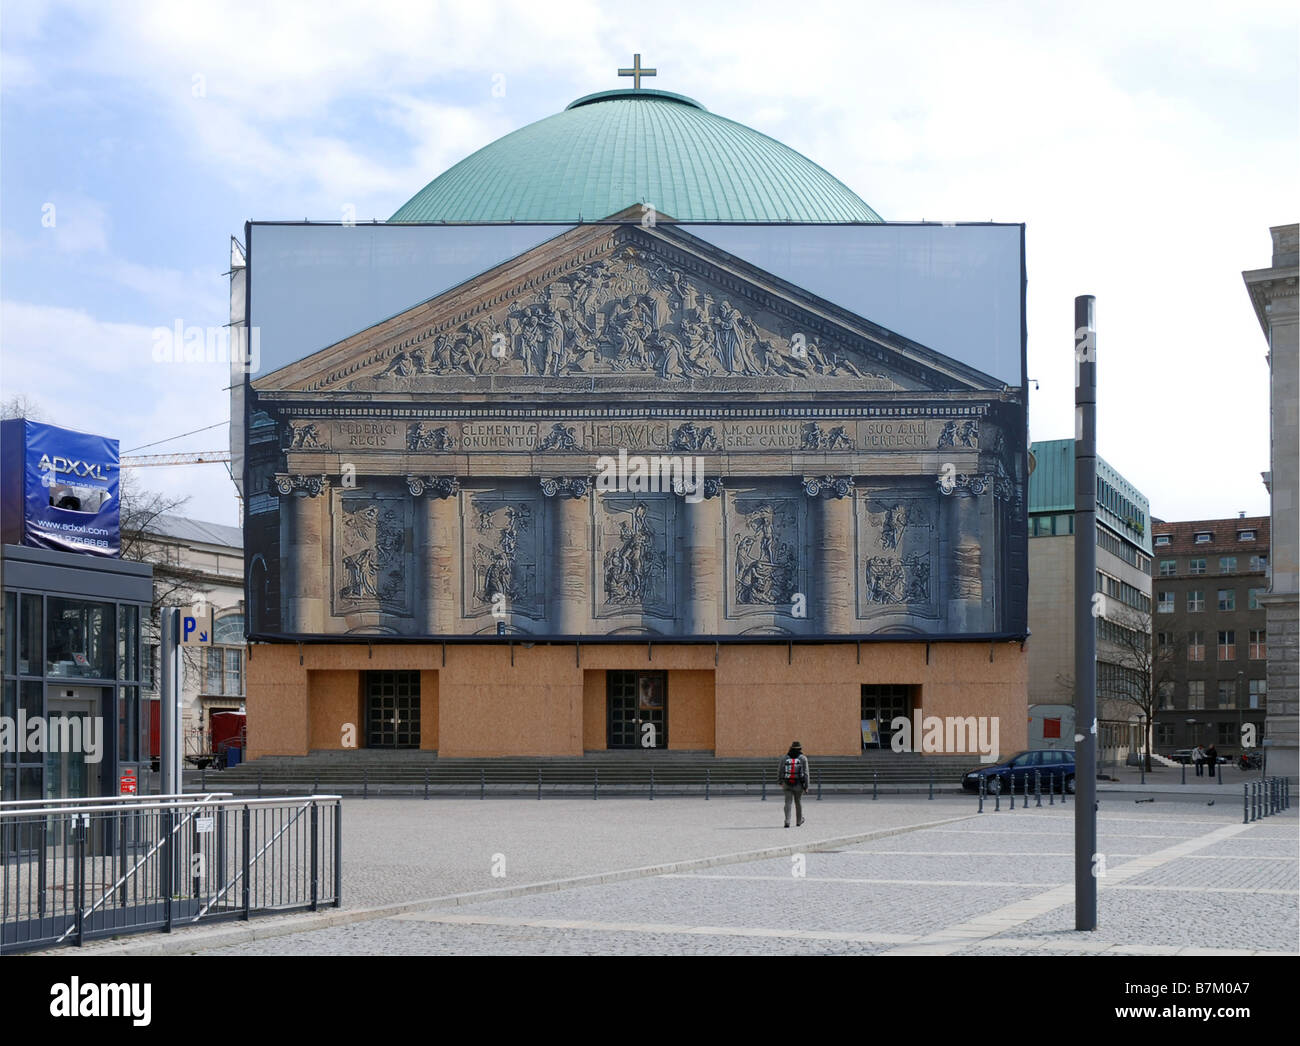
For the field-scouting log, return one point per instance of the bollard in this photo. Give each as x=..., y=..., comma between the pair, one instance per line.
x=652, y=784
x=539, y=784
x=1254, y=800
x=764, y=786
x=1245, y=803
x=1142, y=762
x=1062, y=789
x=1038, y=788
x=482, y=782
x=997, y=801
x=706, y=784
x=1011, y=792
x=931, y=795
x=819, y=786
x=595, y=784
x=1184, y=766
x=426, y=782
x=981, y=792
x=873, y=786
x=365, y=784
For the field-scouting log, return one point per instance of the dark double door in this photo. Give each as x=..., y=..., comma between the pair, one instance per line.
x=637, y=709
x=392, y=709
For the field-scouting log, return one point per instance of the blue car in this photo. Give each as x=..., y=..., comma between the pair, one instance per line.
x=1055, y=769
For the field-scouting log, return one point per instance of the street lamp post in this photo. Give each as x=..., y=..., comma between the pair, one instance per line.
x=1142, y=746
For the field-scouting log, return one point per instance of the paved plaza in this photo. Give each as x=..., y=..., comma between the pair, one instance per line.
x=903, y=875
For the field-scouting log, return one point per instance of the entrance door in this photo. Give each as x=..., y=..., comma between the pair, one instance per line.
x=637, y=704
x=75, y=773
x=392, y=709
x=880, y=705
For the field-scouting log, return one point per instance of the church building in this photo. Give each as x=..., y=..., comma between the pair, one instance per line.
x=630, y=486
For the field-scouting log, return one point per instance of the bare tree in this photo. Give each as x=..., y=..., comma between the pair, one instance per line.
x=1140, y=666
x=174, y=584
x=21, y=406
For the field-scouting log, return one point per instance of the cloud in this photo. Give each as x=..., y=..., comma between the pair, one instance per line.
x=98, y=376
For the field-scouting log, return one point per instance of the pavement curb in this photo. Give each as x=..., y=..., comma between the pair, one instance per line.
x=193, y=942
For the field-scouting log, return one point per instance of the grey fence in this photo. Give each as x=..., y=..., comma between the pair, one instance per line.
x=75, y=870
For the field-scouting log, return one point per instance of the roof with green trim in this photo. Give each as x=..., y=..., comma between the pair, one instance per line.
x=610, y=151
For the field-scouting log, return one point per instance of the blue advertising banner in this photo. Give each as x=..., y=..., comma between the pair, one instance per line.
x=70, y=491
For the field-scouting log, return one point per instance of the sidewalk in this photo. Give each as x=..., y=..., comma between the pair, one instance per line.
x=1170, y=779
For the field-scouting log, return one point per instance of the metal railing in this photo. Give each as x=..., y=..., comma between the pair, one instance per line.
x=75, y=870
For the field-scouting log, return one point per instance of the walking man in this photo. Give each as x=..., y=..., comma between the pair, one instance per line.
x=794, y=781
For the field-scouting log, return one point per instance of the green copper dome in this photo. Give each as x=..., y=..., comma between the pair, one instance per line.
x=609, y=151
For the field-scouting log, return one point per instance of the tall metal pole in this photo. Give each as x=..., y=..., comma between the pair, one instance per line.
x=169, y=732
x=1085, y=624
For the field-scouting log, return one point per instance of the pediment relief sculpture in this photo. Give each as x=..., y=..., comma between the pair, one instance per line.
x=633, y=306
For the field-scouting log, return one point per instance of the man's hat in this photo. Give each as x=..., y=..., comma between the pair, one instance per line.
x=796, y=745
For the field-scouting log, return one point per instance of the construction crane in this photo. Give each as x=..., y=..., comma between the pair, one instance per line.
x=193, y=457
x=196, y=457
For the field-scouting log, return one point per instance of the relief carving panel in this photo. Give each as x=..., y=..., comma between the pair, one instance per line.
x=371, y=541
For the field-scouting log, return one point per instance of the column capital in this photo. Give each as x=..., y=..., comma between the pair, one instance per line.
x=567, y=486
x=828, y=486
x=434, y=486
x=711, y=488
x=964, y=485
x=284, y=485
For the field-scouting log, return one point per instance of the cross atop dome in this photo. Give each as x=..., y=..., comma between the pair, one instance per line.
x=636, y=72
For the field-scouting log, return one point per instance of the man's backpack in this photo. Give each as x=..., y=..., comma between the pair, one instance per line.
x=791, y=771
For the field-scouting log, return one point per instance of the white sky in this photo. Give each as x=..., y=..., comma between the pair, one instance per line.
x=1148, y=147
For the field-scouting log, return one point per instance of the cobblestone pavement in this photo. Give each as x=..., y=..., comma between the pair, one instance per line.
x=1179, y=878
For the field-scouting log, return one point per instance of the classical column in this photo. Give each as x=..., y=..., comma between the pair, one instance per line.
x=965, y=501
x=302, y=530
x=569, y=607
x=833, y=582
x=439, y=559
x=701, y=576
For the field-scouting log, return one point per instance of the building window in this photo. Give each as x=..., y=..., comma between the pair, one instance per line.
x=1258, y=690
x=1204, y=537
x=1253, y=600
x=1225, y=695
x=1227, y=599
x=1258, y=645
x=1259, y=564
x=1168, y=567
x=1227, y=564
x=1196, y=566
x=1195, y=646
x=1164, y=735
x=1196, y=695
x=82, y=639
x=1164, y=603
x=1245, y=535
x=1195, y=601
x=1228, y=734
x=1163, y=642
x=225, y=672
x=1227, y=645
x=1161, y=540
